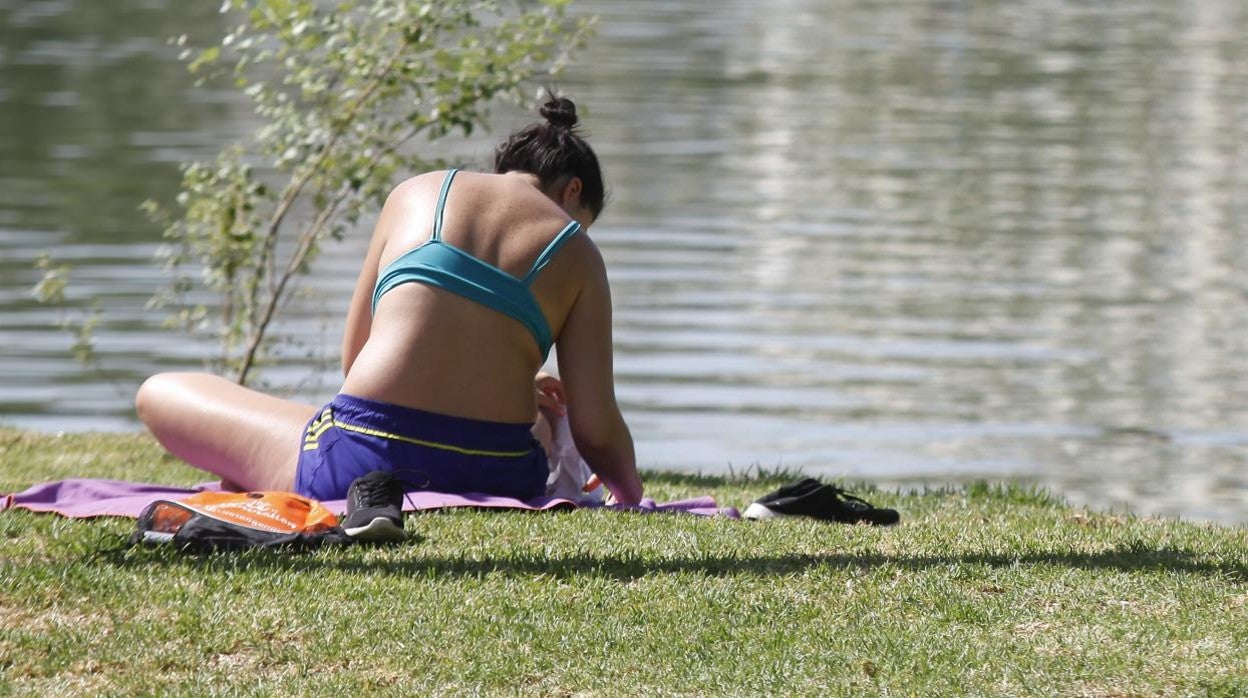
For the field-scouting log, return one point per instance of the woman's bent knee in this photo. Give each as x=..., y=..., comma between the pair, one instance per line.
x=157, y=396
x=148, y=397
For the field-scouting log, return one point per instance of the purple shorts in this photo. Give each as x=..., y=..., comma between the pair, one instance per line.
x=352, y=436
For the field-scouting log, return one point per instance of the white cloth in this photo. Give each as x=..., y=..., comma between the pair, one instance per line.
x=568, y=471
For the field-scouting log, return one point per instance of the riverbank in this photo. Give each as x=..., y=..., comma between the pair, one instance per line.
x=980, y=590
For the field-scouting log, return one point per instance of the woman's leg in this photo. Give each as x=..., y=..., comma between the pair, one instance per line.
x=251, y=440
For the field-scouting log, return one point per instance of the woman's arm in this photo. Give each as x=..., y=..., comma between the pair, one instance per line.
x=586, y=366
x=360, y=311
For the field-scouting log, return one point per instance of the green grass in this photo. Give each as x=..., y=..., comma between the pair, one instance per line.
x=986, y=590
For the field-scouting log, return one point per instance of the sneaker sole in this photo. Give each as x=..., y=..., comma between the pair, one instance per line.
x=758, y=512
x=379, y=530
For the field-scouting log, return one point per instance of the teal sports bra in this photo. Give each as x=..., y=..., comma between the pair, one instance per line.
x=442, y=265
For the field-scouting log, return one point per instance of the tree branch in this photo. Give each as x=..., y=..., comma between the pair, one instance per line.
x=277, y=286
x=309, y=236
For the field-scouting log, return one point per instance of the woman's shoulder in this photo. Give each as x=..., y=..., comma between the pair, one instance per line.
x=415, y=194
x=418, y=183
x=422, y=184
x=502, y=201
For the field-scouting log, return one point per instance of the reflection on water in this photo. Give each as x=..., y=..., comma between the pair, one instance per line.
x=904, y=244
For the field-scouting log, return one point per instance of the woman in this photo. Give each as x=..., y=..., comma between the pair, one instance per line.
x=468, y=281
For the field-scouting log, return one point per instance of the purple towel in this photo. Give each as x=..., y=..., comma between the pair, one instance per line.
x=86, y=498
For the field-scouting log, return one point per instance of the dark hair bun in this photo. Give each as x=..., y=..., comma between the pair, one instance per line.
x=559, y=111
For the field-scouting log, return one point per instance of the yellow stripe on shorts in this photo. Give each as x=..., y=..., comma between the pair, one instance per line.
x=323, y=421
x=431, y=444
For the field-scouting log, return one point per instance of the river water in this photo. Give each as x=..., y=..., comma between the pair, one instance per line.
x=903, y=243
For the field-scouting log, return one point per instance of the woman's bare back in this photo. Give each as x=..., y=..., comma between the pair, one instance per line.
x=432, y=349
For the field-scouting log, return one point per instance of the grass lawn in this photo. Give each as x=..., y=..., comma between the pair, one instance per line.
x=980, y=591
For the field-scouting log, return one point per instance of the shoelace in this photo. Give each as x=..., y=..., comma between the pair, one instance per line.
x=412, y=485
x=851, y=501
x=379, y=490
x=397, y=486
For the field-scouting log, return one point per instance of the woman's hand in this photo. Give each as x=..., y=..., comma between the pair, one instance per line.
x=594, y=483
x=550, y=395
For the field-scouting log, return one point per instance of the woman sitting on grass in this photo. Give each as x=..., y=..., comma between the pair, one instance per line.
x=469, y=280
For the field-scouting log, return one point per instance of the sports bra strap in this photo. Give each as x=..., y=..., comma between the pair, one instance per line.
x=437, y=214
x=544, y=258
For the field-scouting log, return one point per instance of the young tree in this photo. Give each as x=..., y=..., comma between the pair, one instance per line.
x=342, y=89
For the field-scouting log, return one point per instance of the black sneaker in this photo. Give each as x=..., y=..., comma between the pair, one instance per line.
x=819, y=501
x=375, y=508
x=791, y=490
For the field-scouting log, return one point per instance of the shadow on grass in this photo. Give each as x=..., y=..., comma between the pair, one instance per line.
x=1128, y=558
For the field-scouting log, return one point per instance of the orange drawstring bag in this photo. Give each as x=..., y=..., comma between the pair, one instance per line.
x=210, y=521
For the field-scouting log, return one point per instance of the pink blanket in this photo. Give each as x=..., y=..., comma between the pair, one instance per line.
x=86, y=498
